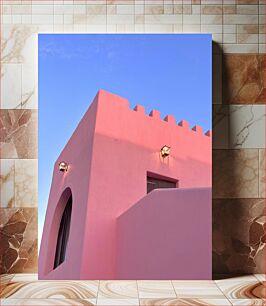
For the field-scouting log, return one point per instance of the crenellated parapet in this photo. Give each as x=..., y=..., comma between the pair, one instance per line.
x=112, y=101
x=171, y=119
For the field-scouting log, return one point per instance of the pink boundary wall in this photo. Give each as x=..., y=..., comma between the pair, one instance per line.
x=166, y=235
x=109, y=156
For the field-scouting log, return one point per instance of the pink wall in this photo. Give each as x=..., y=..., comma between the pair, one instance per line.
x=110, y=154
x=77, y=153
x=166, y=235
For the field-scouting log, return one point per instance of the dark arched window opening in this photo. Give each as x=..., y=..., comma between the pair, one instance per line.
x=63, y=234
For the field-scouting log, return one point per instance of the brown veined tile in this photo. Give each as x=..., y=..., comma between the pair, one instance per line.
x=212, y=9
x=235, y=173
x=262, y=170
x=248, y=302
x=18, y=234
x=220, y=126
x=229, y=9
x=239, y=237
x=18, y=130
x=184, y=302
x=242, y=289
x=51, y=290
x=243, y=79
x=248, y=29
x=48, y=302
x=4, y=280
x=247, y=1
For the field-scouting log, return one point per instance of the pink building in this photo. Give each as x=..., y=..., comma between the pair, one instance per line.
x=104, y=219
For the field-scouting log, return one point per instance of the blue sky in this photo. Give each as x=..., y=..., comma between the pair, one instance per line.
x=171, y=73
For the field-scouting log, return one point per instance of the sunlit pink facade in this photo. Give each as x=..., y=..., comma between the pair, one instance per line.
x=117, y=230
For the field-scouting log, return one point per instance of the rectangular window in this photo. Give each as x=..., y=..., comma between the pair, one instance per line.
x=156, y=183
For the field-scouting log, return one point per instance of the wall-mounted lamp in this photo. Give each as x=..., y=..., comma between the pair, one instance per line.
x=63, y=166
x=165, y=151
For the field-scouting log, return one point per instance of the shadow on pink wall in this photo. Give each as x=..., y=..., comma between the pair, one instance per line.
x=166, y=235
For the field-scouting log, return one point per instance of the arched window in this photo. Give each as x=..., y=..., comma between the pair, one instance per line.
x=63, y=234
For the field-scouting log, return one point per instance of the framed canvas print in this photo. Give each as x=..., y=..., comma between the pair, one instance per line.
x=125, y=156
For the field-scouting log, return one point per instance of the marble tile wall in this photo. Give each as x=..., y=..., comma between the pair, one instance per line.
x=238, y=29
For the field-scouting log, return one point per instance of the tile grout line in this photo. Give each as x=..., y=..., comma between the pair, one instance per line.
x=222, y=292
x=174, y=289
x=137, y=285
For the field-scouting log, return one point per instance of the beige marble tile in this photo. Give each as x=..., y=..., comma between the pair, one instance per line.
x=118, y=290
x=96, y=9
x=262, y=170
x=240, y=48
x=163, y=19
x=7, y=179
x=229, y=38
x=191, y=19
x=120, y=19
x=191, y=28
x=197, y=289
x=42, y=9
x=25, y=277
x=248, y=302
x=29, y=95
x=209, y=28
x=117, y=302
x=247, y=38
x=18, y=43
x=42, y=19
x=247, y=126
x=211, y=19
x=79, y=9
x=168, y=9
x=125, y=9
x=10, y=85
x=159, y=28
x=240, y=19
x=229, y=29
x=260, y=277
x=178, y=9
x=195, y=9
x=44, y=302
x=156, y=289
x=247, y=9
x=187, y=9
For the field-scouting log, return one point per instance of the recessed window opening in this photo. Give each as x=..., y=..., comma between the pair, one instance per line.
x=156, y=182
x=63, y=234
